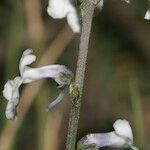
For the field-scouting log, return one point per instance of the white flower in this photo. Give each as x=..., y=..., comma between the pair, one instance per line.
x=59, y=73
x=59, y=9
x=121, y=137
x=147, y=15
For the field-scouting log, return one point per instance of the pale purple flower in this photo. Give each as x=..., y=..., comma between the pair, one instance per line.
x=121, y=137
x=60, y=73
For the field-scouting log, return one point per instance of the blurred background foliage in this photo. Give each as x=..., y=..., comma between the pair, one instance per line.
x=117, y=83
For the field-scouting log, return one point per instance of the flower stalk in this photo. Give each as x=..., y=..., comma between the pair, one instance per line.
x=87, y=16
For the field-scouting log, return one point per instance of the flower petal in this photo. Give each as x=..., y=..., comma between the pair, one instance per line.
x=127, y=1
x=56, y=9
x=59, y=73
x=26, y=59
x=59, y=9
x=56, y=101
x=73, y=19
x=7, y=91
x=11, y=93
x=134, y=148
x=122, y=128
x=11, y=111
x=147, y=15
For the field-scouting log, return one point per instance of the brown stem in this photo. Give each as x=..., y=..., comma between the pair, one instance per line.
x=34, y=22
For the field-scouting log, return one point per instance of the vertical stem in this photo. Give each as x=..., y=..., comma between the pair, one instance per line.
x=15, y=39
x=87, y=17
x=36, y=40
x=137, y=112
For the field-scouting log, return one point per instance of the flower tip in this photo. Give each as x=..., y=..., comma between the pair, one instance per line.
x=147, y=15
x=134, y=148
x=122, y=127
x=54, y=11
x=11, y=116
x=49, y=12
x=127, y=1
x=74, y=25
x=76, y=29
x=7, y=91
x=27, y=52
x=27, y=58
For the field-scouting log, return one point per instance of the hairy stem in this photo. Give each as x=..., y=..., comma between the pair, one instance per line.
x=87, y=17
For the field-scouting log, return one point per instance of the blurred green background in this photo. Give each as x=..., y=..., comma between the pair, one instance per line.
x=117, y=84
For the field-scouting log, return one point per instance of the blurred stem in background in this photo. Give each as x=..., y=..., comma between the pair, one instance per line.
x=52, y=137
x=36, y=40
x=138, y=29
x=35, y=25
x=51, y=131
x=15, y=39
x=43, y=96
x=137, y=112
x=53, y=52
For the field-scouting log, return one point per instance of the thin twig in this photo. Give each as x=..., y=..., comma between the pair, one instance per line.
x=87, y=17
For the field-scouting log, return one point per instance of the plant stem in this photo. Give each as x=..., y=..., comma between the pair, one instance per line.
x=137, y=112
x=87, y=17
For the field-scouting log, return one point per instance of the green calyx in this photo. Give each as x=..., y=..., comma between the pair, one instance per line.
x=66, y=78
x=74, y=91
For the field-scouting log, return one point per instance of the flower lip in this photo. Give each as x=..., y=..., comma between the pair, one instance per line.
x=123, y=129
x=26, y=59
